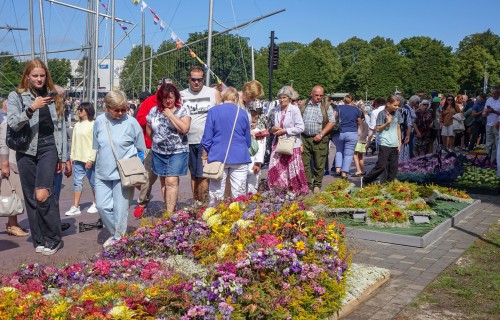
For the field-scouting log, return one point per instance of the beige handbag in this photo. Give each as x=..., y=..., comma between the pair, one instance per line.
x=215, y=169
x=285, y=145
x=131, y=170
x=10, y=205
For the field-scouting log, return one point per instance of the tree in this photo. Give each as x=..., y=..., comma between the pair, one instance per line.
x=472, y=63
x=487, y=40
x=387, y=72
x=433, y=66
x=60, y=71
x=10, y=74
x=131, y=75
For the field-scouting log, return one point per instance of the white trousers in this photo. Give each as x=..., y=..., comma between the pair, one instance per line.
x=238, y=177
x=492, y=141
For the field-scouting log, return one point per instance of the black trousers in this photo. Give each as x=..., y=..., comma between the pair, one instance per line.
x=387, y=162
x=37, y=172
x=477, y=129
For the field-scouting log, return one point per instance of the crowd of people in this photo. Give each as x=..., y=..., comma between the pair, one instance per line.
x=174, y=132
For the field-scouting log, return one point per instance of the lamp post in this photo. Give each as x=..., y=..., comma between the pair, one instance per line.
x=291, y=83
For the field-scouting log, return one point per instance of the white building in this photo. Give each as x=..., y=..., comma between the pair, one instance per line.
x=103, y=77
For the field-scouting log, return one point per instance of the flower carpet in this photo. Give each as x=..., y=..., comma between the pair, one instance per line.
x=258, y=257
x=391, y=207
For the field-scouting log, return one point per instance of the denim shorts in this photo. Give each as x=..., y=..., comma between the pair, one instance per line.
x=79, y=172
x=195, y=163
x=169, y=165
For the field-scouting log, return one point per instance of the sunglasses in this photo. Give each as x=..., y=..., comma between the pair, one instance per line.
x=449, y=99
x=123, y=110
x=196, y=79
x=80, y=109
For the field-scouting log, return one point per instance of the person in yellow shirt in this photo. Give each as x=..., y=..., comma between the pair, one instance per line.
x=83, y=156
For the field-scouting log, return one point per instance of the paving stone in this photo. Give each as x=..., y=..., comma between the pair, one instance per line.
x=396, y=256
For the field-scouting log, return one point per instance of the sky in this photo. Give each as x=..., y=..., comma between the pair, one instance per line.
x=303, y=21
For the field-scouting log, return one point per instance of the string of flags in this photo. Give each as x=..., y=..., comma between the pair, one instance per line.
x=124, y=27
x=174, y=38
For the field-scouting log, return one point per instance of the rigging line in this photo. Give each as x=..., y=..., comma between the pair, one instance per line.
x=17, y=24
x=239, y=42
x=13, y=85
x=63, y=23
x=6, y=34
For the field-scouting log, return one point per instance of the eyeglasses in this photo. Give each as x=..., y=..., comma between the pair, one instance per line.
x=196, y=79
x=123, y=110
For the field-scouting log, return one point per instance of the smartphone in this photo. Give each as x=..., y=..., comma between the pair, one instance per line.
x=488, y=107
x=52, y=94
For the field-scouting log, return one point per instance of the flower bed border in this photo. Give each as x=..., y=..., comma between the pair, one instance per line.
x=413, y=241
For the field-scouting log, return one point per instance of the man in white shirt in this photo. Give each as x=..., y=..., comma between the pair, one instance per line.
x=198, y=98
x=492, y=111
x=378, y=105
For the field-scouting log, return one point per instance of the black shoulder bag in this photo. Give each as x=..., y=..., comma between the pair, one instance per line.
x=19, y=140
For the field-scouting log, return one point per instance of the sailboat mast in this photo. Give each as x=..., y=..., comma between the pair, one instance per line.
x=96, y=55
x=209, y=46
x=112, y=55
x=143, y=40
x=32, y=31
x=43, y=47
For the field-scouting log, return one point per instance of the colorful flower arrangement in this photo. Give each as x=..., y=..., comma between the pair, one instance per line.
x=419, y=208
x=401, y=191
x=257, y=257
x=451, y=194
x=369, y=191
x=339, y=186
x=387, y=214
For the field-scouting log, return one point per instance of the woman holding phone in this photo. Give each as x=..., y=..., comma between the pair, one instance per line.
x=34, y=105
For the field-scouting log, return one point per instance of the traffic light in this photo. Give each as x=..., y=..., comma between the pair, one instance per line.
x=275, y=57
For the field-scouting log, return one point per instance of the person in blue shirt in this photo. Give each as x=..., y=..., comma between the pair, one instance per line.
x=478, y=127
x=125, y=133
x=222, y=144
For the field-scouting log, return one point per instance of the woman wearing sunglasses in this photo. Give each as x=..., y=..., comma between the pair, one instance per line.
x=118, y=129
x=83, y=156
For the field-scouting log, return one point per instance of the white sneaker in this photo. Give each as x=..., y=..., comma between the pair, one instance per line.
x=39, y=249
x=74, y=211
x=92, y=209
x=108, y=243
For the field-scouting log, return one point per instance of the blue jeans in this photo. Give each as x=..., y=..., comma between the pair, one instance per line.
x=345, y=145
x=79, y=172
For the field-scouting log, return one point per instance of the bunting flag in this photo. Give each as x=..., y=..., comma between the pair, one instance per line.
x=104, y=6
x=173, y=37
x=156, y=19
x=179, y=44
x=143, y=6
x=122, y=26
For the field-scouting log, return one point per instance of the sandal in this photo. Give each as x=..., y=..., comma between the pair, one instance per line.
x=16, y=231
x=359, y=174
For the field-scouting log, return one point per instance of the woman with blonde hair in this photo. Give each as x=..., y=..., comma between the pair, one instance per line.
x=36, y=104
x=226, y=139
x=114, y=129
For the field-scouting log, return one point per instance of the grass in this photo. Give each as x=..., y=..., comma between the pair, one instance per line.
x=470, y=287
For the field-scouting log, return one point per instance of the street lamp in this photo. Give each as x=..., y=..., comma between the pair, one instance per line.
x=291, y=83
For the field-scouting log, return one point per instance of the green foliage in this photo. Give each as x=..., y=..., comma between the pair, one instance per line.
x=375, y=67
x=433, y=66
x=60, y=71
x=10, y=74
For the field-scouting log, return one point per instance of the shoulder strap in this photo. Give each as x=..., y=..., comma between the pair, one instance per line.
x=232, y=132
x=324, y=110
x=111, y=141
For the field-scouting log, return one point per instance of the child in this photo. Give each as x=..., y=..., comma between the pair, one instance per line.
x=388, y=127
x=360, y=149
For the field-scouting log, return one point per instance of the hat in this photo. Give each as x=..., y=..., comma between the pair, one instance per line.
x=436, y=99
x=144, y=95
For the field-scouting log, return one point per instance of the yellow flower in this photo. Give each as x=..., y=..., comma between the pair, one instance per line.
x=300, y=245
x=234, y=206
x=222, y=250
x=59, y=311
x=121, y=312
x=208, y=212
x=8, y=289
x=279, y=246
x=214, y=220
x=239, y=246
x=243, y=224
